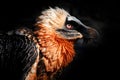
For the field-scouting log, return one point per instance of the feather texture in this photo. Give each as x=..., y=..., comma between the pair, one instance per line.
x=18, y=53
x=57, y=52
x=40, y=54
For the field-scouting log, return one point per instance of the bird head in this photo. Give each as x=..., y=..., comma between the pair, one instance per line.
x=60, y=22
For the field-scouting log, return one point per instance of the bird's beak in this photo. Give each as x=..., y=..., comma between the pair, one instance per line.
x=81, y=31
x=88, y=33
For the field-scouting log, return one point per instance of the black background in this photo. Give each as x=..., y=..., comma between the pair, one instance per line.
x=99, y=62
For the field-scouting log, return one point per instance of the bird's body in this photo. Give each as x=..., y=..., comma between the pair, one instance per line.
x=41, y=53
x=18, y=53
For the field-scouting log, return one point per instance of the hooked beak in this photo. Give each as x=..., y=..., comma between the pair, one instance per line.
x=89, y=33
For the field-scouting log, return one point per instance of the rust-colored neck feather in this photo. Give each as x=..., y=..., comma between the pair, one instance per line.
x=57, y=52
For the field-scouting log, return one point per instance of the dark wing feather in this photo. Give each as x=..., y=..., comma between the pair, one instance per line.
x=17, y=55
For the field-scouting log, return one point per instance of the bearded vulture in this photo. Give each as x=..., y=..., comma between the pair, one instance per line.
x=41, y=53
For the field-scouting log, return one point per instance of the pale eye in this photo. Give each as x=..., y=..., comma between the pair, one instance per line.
x=69, y=26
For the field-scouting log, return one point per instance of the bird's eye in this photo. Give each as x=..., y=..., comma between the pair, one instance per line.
x=69, y=26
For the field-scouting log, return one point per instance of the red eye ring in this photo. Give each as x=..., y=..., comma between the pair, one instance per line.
x=69, y=26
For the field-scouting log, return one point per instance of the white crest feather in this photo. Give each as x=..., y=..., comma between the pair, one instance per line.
x=53, y=17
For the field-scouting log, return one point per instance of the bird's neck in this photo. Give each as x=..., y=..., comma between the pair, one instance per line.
x=57, y=52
